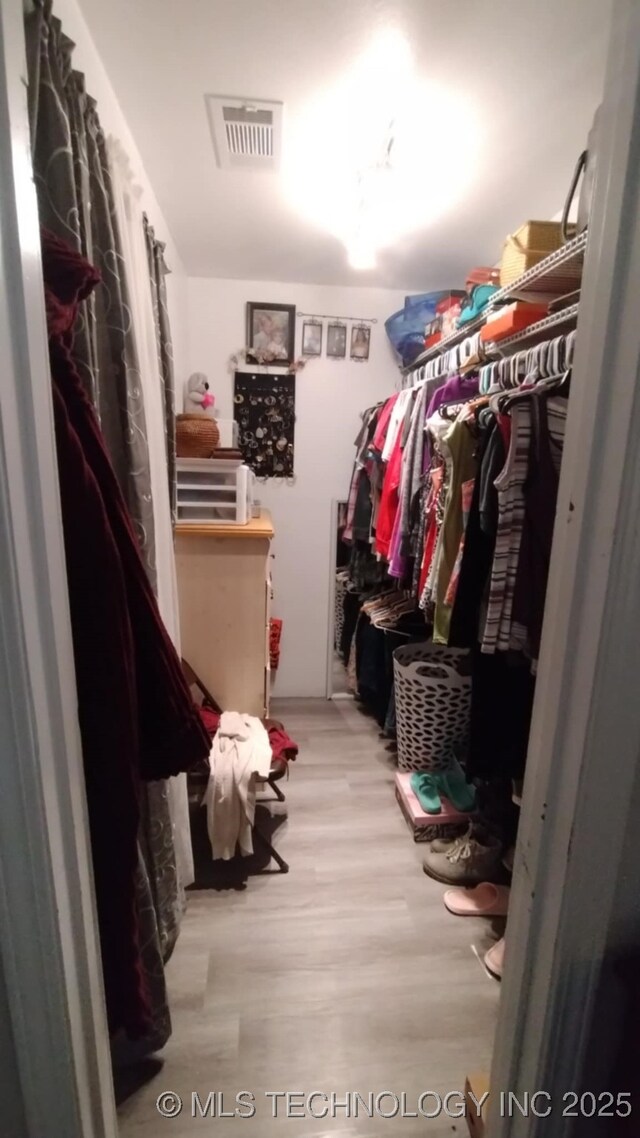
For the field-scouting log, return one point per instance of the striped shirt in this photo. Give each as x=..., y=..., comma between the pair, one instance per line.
x=510, y=488
x=556, y=417
x=500, y=633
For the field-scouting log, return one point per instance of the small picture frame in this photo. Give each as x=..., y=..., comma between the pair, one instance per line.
x=360, y=342
x=312, y=338
x=270, y=332
x=337, y=340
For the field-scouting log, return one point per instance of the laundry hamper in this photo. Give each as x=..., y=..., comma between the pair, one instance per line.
x=433, y=699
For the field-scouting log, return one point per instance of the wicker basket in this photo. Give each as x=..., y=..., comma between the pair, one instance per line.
x=531, y=243
x=196, y=436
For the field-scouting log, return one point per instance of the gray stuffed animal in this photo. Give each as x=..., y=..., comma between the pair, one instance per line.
x=198, y=400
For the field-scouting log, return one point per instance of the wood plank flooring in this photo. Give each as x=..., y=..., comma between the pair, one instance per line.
x=345, y=975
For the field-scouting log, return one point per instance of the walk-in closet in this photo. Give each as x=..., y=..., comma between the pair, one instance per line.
x=318, y=618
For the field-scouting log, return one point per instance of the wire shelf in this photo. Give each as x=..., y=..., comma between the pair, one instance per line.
x=540, y=328
x=557, y=274
x=450, y=341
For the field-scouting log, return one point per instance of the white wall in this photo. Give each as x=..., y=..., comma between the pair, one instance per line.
x=207, y=324
x=330, y=395
x=87, y=59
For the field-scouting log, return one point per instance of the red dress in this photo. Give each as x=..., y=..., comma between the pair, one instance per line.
x=389, y=500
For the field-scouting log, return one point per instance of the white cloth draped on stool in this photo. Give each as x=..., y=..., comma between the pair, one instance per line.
x=240, y=750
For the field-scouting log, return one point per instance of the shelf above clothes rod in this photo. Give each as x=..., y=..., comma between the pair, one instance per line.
x=534, y=331
x=443, y=346
x=557, y=274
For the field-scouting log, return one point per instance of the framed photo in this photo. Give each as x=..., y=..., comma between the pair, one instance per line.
x=360, y=340
x=337, y=341
x=312, y=338
x=270, y=332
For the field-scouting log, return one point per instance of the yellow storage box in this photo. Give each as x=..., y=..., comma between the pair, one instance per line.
x=531, y=243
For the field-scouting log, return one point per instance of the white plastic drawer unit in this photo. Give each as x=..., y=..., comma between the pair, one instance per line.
x=216, y=491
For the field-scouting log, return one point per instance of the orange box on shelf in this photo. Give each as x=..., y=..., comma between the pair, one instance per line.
x=430, y=341
x=511, y=319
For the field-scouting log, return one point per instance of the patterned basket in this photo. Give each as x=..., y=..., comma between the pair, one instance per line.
x=275, y=636
x=432, y=705
x=338, y=624
x=196, y=436
x=531, y=243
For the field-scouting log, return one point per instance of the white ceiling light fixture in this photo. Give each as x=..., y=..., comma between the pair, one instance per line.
x=247, y=133
x=358, y=160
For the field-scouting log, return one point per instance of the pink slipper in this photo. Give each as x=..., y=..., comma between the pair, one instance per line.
x=485, y=900
x=494, y=959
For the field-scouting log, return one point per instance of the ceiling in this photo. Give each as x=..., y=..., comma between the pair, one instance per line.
x=530, y=72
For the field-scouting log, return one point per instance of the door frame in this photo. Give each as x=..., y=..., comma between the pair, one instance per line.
x=577, y=836
x=331, y=616
x=586, y=703
x=55, y=1038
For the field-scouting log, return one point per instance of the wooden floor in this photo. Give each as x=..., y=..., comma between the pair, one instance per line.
x=346, y=975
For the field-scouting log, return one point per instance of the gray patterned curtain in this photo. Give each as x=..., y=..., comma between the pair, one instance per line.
x=75, y=198
x=76, y=203
x=157, y=273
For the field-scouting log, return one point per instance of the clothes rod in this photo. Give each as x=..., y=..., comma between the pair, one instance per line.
x=339, y=319
x=504, y=349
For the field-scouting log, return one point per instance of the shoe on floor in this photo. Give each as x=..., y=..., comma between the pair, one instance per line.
x=472, y=859
x=494, y=959
x=485, y=900
x=441, y=845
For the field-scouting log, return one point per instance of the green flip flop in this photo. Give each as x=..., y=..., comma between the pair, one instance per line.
x=424, y=787
x=453, y=784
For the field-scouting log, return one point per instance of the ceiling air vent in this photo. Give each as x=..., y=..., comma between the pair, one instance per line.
x=247, y=133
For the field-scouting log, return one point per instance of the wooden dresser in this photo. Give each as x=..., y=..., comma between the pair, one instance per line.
x=225, y=597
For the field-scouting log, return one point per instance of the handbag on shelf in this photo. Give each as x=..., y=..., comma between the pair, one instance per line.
x=585, y=166
x=476, y=302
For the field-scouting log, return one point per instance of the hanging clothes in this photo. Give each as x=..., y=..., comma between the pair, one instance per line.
x=465, y=523
x=480, y=536
x=78, y=201
x=431, y=527
x=137, y=718
x=540, y=494
x=510, y=487
x=358, y=514
x=502, y=691
x=410, y=487
x=460, y=443
x=438, y=428
x=392, y=454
